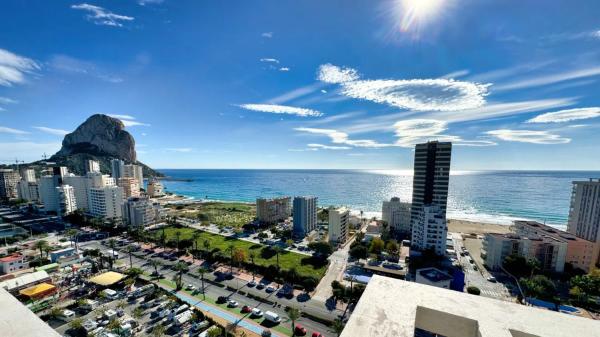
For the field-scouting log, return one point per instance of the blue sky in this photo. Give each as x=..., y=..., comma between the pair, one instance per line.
x=308, y=84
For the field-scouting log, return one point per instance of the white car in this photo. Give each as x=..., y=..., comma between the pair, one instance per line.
x=270, y=289
x=190, y=287
x=232, y=304
x=491, y=279
x=256, y=312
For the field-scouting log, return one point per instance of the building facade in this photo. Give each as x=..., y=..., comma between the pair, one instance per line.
x=139, y=212
x=27, y=174
x=305, y=215
x=8, y=184
x=584, y=213
x=272, y=211
x=429, y=230
x=29, y=191
x=92, y=166
x=135, y=172
x=339, y=221
x=397, y=215
x=155, y=189
x=550, y=253
x=117, y=168
x=580, y=252
x=106, y=202
x=131, y=187
x=67, y=203
x=13, y=263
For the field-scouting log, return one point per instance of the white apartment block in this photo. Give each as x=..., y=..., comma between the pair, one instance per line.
x=584, y=214
x=396, y=308
x=27, y=174
x=29, y=191
x=272, y=211
x=67, y=203
x=429, y=229
x=47, y=191
x=106, y=202
x=133, y=171
x=117, y=167
x=139, y=212
x=131, y=187
x=92, y=166
x=338, y=224
x=550, y=252
x=397, y=215
x=13, y=263
x=155, y=188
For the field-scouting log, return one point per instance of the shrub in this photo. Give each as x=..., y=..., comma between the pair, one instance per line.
x=473, y=290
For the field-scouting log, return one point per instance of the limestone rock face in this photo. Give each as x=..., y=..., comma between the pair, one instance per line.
x=100, y=135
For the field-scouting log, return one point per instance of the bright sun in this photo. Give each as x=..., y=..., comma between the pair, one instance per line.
x=415, y=12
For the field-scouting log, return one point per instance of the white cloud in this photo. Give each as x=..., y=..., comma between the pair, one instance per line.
x=4, y=129
x=323, y=91
x=542, y=80
x=28, y=151
x=6, y=100
x=415, y=94
x=13, y=68
x=101, y=16
x=122, y=116
x=51, y=131
x=180, y=149
x=566, y=115
x=528, y=136
x=282, y=109
x=267, y=35
x=456, y=74
x=149, y=2
x=329, y=73
x=328, y=147
x=269, y=60
x=284, y=69
x=414, y=131
x=294, y=94
x=128, y=120
x=338, y=137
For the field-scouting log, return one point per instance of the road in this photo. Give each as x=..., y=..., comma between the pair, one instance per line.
x=478, y=278
x=312, y=307
x=337, y=265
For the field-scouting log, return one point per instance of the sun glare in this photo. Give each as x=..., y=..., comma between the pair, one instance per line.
x=416, y=12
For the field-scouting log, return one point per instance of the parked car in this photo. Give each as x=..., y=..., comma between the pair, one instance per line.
x=260, y=286
x=317, y=334
x=491, y=279
x=246, y=309
x=190, y=287
x=232, y=304
x=222, y=299
x=299, y=330
x=270, y=289
x=272, y=317
x=257, y=312
x=251, y=284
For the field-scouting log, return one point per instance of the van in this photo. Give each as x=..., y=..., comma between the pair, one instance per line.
x=67, y=315
x=272, y=317
x=181, y=309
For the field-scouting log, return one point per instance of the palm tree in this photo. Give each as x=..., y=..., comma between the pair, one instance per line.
x=215, y=331
x=277, y=251
x=41, y=245
x=206, y=245
x=252, y=256
x=72, y=233
x=129, y=249
x=76, y=324
x=138, y=313
x=231, y=248
x=338, y=327
x=293, y=315
x=293, y=275
x=195, y=237
x=55, y=313
x=156, y=264
x=202, y=271
x=180, y=268
x=177, y=237
x=112, y=243
x=158, y=330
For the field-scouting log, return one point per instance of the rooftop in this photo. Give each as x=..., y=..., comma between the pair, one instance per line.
x=24, y=280
x=434, y=274
x=18, y=321
x=397, y=308
x=107, y=279
x=11, y=258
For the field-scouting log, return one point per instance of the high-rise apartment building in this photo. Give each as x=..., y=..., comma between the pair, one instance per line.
x=133, y=171
x=584, y=213
x=67, y=203
x=106, y=202
x=397, y=215
x=117, y=168
x=272, y=211
x=47, y=189
x=429, y=231
x=27, y=174
x=131, y=187
x=28, y=191
x=155, y=188
x=8, y=184
x=138, y=212
x=339, y=220
x=305, y=215
x=92, y=166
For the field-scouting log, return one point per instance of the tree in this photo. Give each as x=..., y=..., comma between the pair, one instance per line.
x=202, y=271
x=322, y=248
x=180, y=268
x=156, y=264
x=195, y=237
x=130, y=249
x=391, y=247
x=473, y=290
x=55, y=312
x=138, y=313
x=338, y=326
x=376, y=246
x=359, y=252
x=539, y=286
x=292, y=276
x=158, y=330
x=588, y=284
x=293, y=315
x=72, y=233
x=177, y=237
x=239, y=256
x=41, y=245
x=215, y=331
x=277, y=250
x=252, y=257
x=206, y=245
x=76, y=324
x=134, y=273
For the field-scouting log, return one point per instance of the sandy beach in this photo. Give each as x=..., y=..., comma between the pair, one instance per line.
x=463, y=226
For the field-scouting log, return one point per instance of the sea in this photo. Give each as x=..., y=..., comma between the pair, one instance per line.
x=497, y=197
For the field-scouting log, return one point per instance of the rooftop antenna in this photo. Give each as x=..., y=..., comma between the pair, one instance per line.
x=44, y=156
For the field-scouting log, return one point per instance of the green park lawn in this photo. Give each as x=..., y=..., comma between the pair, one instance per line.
x=233, y=214
x=264, y=257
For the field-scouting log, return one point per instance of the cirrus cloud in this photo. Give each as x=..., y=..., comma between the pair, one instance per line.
x=566, y=115
x=101, y=16
x=13, y=68
x=528, y=136
x=414, y=131
x=338, y=137
x=282, y=109
x=57, y=132
x=439, y=94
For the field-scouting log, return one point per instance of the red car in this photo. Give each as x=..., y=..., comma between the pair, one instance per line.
x=299, y=330
x=317, y=334
x=246, y=309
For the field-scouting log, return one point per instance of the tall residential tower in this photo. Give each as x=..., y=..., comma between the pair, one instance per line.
x=584, y=214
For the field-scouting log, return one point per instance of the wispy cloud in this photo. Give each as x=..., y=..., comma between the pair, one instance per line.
x=267, y=35
x=338, y=137
x=566, y=115
x=269, y=60
x=456, y=74
x=6, y=100
x=414, y=131
x=528, y=136
x=414, y=94
x=327, y=147
x=282, y=109
x=71, y=65
x=51, y=131
x=101, y=16
x=13, y=68
x=179, y=149
x=4, y=129
x=128, y=120
x=150, y=2
x=542, y=80
x=296, y=93
x=284, y=69
x=28, y=151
